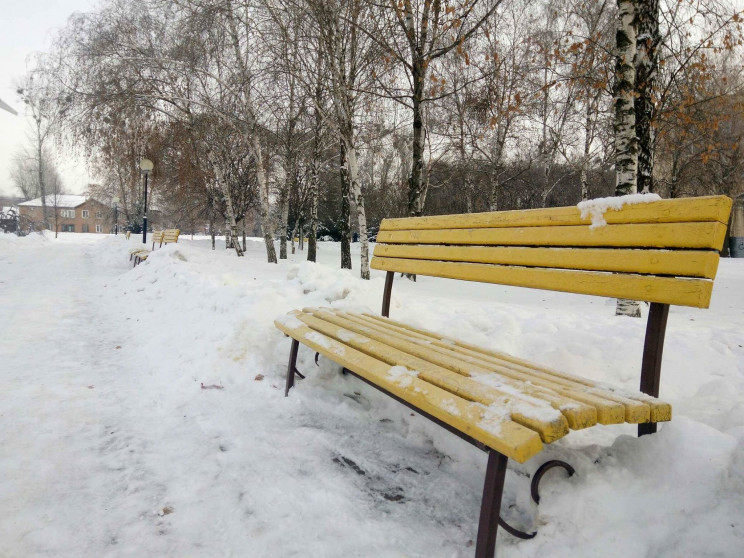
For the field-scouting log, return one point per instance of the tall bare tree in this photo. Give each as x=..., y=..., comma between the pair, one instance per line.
x=414, y=34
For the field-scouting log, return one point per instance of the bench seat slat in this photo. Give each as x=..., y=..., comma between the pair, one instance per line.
x=706, y=235
x=503, y=435
x=689, y=263
x=668, y=290
x=660, y=411
x=578, y=414
x=533, y=413
x=611, y=408
x=710, y=208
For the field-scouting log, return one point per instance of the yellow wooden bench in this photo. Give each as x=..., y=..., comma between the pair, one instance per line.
x=170, y=236
x=158, y=237
x=664, y=252
x=140, y=253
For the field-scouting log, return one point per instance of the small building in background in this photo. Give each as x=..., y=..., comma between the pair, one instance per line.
x=67, y=213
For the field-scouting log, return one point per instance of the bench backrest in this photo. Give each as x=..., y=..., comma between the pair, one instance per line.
x=663, y=251
x=157, y=236
x=171, y=235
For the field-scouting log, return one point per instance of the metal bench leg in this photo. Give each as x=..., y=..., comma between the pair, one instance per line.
x=292, y=366
x=493, y=489
x=653, y=349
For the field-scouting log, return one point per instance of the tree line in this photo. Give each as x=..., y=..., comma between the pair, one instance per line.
x=321, y=117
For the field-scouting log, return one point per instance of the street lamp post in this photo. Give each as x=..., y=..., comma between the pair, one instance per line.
x=116, y=215
x=145, y=166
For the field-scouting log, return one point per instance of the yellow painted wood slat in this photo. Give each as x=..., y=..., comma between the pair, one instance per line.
x=578, y=414
x=537, y=415
x=636, y=411
x=667, y=290
x=662, y=235
x=608, y=412
x=505, y=436
x=690, y=263
x=660, y=410
x=709, y=208
x=170, y=236
x=611, y=408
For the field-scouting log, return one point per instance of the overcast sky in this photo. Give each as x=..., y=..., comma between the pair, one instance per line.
x=27, y=27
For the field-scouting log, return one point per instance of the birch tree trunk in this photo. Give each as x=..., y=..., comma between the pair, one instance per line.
x=42, y=185
x=294, y=235
x=355, y=189
x=231, y=225
x=231, y=221
x=495, y=183
x=626, y=145
x=646, y=66
x=263, y=207
x=415, y=204
x=312, y=237
x=284, y=209
x=588, y=136
x=345, y=225
x=211, y=226
x=493, y=194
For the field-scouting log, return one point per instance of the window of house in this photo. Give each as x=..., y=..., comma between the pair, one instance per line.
x=99, y=215
x=85, y=227
x=86, y=214
x=68, y=213
x=99, y=228
x=68, y=228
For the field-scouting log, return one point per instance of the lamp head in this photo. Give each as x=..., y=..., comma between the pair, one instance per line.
x=146, y=165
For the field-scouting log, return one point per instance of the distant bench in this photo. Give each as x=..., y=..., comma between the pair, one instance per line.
x=158, y=237
x=663, y=252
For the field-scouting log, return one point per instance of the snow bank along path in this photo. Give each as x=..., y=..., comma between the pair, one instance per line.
x=110, y=447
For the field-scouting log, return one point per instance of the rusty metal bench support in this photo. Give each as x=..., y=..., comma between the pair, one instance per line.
x=652, y=352
x=493, y=487
x=292, y=366
x=493, y=490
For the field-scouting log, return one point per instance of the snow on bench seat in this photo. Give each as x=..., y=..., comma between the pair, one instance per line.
x=508, y=404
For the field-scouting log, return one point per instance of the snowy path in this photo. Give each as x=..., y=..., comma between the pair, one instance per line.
x=109, y=446
x=96, y=450
x=56, y=407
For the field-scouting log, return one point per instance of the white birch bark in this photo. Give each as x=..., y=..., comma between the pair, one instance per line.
x=626, y=145
x=312, y=239
x=646, y=65
x=356, y=196
x=284, y=210
x=231, y=223
x=263, y=194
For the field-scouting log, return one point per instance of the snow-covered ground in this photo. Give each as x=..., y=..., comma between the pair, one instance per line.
x=109, y=446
